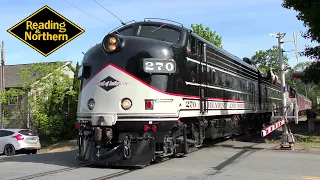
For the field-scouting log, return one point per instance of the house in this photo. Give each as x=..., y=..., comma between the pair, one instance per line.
x=20, y=118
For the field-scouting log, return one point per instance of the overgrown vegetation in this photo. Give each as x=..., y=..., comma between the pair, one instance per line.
x=308, y=13
x=309, y=142
x=303, y=142
x=49, y=95
x=266, y=59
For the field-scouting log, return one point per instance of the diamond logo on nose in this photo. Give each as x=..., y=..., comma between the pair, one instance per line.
x=109, y=83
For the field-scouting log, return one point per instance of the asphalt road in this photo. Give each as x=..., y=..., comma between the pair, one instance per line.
x=225, y=160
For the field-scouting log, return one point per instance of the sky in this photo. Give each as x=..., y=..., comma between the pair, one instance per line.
x=244, y=25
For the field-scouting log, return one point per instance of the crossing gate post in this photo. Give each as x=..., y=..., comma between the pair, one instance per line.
x=287, y=138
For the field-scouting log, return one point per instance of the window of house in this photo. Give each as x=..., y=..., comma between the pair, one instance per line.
x=13, y=100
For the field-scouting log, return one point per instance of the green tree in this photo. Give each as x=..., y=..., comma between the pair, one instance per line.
x=308, y=13
x=50, y=94
x=301, y=66
x=266, y=59
x=312, y=73
x=72, y=103
x=311, y=90
x=207, y=34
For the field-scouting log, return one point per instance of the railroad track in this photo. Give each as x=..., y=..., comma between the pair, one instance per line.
x=115, y=174
x=50, y=172
x=107, y=176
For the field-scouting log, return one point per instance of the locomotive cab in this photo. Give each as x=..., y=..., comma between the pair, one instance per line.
x=124, y=96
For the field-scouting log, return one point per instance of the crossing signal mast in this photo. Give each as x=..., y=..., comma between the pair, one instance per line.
x=287, y=137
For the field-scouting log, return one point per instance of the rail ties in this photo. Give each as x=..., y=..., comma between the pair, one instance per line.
x=127, y=171
x=50, y=172
x=113, y=175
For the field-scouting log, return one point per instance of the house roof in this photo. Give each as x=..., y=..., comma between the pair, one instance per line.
x=11, y=77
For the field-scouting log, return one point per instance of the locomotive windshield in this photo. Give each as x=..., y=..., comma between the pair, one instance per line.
x=159, y=32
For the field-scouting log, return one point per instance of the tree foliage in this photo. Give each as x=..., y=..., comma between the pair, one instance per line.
x=51, y=96
x=311, y=90
x=308, y=13
x=266, y=59
x=207, y=34
x=312, y=73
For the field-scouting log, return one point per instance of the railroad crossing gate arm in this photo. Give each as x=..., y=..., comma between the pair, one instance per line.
x=272, y=127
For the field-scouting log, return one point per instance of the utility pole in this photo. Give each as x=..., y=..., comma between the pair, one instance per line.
x=2, y=82
x=287, y=137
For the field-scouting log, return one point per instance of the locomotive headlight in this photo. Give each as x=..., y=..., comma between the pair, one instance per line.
x=111, y=43
x=126, y=103
x=112, y=47
x=112, y=40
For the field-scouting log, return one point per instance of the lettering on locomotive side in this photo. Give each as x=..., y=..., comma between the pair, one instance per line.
x=217, y=105
x=225, y=105
x=195, y=104
x=191, y=104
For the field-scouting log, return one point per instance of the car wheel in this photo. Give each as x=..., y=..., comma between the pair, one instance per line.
x=9, y=150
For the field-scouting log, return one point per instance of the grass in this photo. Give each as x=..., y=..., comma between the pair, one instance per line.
x=303, y=141
x=59, y=147
x=310, y=143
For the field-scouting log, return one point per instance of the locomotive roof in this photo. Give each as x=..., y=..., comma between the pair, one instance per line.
x=223, y=51
x=185, y=30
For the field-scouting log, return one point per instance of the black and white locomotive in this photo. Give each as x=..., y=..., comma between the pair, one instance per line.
x=155, y=89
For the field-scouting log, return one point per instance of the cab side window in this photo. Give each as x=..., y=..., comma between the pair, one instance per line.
x=195, y=47
x=200, y=49
x=193, y=44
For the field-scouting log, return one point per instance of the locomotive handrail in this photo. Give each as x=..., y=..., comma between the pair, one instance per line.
x=164, y=20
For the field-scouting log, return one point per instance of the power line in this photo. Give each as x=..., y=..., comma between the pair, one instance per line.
x=87, y=13
x=109, y=12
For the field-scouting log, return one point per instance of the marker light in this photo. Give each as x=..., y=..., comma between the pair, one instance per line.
x=148, y=104
x=126, y=103
x=145, y=127
x=154, y=128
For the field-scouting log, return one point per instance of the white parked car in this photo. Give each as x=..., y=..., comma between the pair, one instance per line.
x=13, y=140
